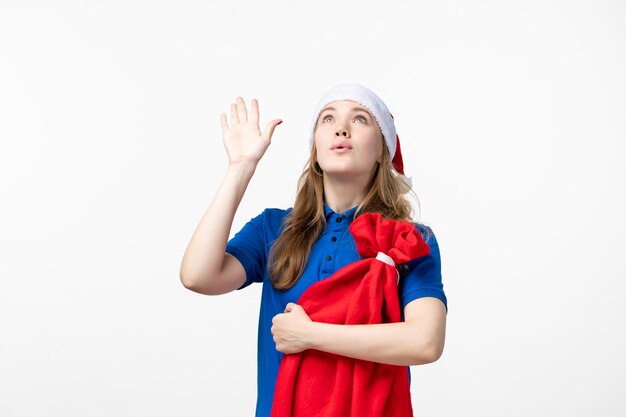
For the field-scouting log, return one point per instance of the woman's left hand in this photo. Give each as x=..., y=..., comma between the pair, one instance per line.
x=291, y=329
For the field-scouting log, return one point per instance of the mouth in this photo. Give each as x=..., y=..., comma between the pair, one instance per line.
x=341, y=150
x=341, y=146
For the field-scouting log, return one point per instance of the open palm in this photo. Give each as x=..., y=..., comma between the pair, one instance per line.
x=243, y=139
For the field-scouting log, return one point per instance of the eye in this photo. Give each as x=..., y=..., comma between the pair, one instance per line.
x=328, y=115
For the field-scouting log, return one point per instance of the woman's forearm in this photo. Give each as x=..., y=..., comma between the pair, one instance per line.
x=390, y=343
x=204, y=255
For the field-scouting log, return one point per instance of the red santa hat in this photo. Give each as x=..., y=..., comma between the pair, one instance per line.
x=368, y=99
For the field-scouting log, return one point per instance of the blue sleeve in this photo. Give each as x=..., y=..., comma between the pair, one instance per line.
x=423, y=276
x=248, y=246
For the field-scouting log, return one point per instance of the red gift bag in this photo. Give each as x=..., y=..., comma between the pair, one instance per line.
x=314, y=383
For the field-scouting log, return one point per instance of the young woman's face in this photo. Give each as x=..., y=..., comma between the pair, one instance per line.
x=348, y=139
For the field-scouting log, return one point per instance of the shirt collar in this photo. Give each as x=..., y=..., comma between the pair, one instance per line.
x=348, y=214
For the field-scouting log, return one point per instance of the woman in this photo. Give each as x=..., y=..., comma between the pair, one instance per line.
x=355, y=167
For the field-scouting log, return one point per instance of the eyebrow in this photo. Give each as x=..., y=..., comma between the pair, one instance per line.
x=354, y=109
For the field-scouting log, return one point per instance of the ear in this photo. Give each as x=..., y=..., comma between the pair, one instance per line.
x=383, y=146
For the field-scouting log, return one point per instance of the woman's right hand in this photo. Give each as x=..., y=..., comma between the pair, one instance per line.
x=243, y=139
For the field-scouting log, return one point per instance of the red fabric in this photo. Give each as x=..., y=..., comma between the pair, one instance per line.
x=397, y=158
x=313, y=383
x=396, y=161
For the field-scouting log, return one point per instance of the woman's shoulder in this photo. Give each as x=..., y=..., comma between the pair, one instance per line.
x=426, y=231
x=273, y=213
x=273, y=217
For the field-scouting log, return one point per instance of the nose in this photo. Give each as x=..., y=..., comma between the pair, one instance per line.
x=341, y=132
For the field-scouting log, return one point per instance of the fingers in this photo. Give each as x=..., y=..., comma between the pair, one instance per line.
x=254, y=109
x=241, y=110
x=239, y=114
x=223, y=121
x=269, y=129
x=233, y=114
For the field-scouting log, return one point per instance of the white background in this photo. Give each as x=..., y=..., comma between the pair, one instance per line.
x=511, y=117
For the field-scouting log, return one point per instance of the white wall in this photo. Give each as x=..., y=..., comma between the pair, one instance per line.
x=511, y=117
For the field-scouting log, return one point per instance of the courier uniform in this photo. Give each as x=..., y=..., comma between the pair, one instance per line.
x=334, y=249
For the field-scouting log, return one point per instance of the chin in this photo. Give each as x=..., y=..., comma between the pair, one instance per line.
x=336, y=168
x=341, y=171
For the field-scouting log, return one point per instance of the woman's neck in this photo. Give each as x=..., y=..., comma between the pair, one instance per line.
x=342, y=195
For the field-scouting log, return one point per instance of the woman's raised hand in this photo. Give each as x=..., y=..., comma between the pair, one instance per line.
x=243, y=139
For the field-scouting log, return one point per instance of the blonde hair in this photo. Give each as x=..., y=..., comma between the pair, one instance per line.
x=303, y=225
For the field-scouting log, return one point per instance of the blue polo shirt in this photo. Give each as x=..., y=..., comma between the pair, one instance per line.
x=334, y=249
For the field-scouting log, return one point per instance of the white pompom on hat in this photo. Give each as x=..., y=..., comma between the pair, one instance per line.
x=368, y=99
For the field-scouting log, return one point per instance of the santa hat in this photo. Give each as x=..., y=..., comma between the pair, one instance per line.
x=368, y=99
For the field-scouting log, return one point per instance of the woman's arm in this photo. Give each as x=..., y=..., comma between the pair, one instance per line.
x=204, y=257
x=416, y=341
x=204, y=261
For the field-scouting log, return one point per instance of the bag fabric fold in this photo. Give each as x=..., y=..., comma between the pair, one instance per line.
x=313, y=383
